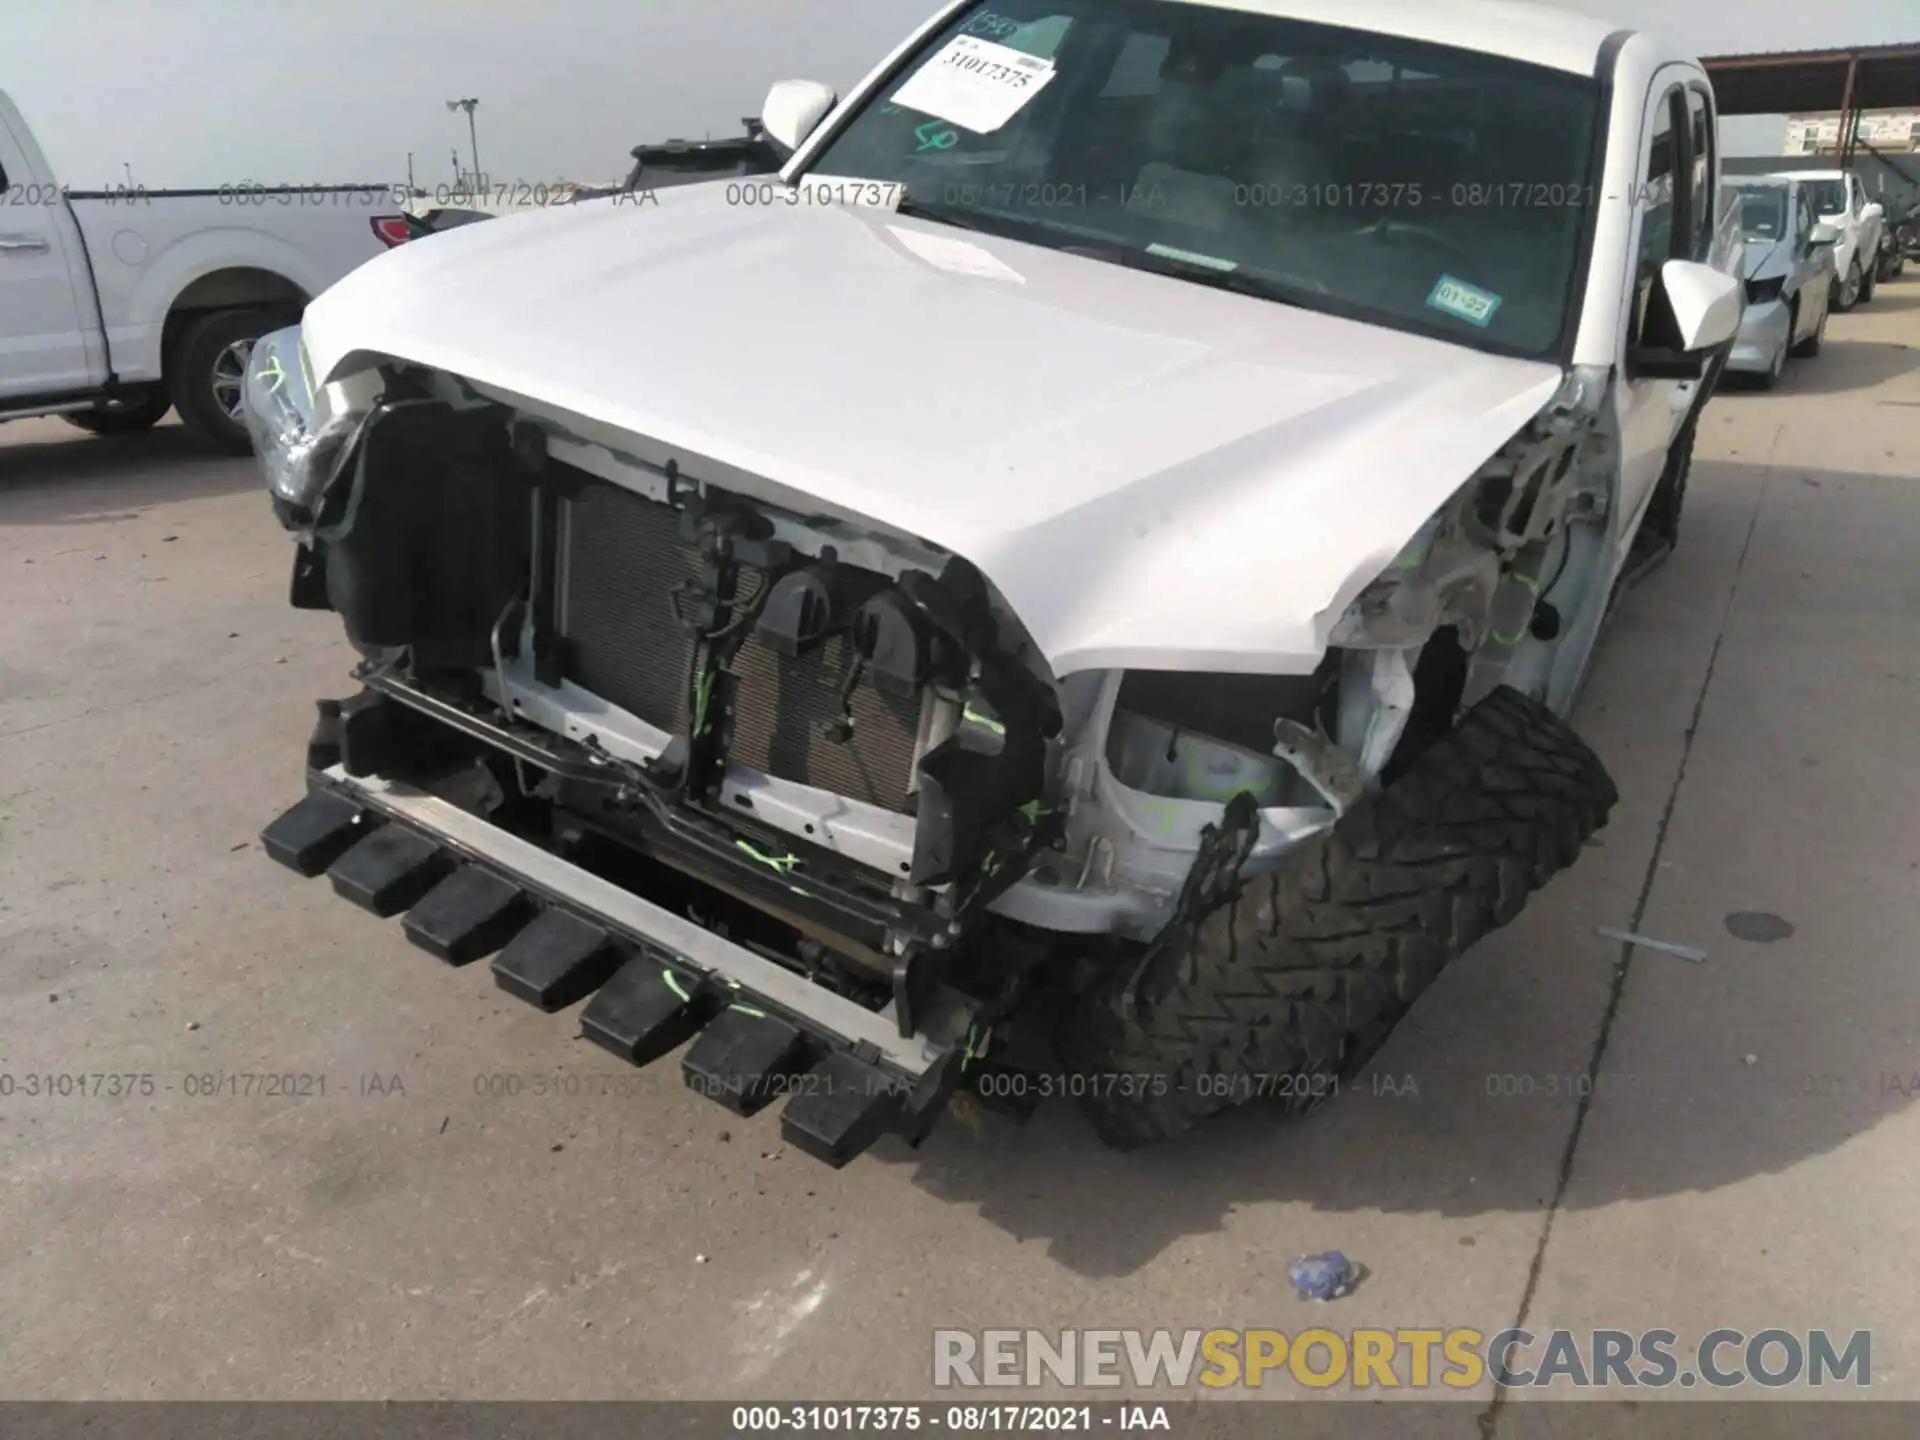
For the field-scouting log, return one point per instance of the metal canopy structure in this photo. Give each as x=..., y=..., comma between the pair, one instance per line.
x=1849, y=80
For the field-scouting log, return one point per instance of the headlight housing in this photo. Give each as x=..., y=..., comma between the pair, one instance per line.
x=300, y=451
x=1761, y=291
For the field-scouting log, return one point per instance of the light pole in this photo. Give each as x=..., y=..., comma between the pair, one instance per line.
x=469, y=105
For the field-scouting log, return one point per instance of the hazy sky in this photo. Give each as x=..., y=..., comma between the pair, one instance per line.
x=215, y=92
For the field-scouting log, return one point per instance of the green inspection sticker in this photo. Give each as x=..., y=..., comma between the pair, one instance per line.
x=1464, y=301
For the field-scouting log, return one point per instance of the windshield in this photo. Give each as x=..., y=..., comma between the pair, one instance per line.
x=1763, y=212
x=1828, y=197
x=1414, y=185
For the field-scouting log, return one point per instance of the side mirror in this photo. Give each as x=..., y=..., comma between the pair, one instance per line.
x=1823, y=234
x=1706, y=304
x=794, y=110
x=1873, y=211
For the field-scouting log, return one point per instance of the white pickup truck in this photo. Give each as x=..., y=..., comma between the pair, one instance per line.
x=118, y=306
x=1107, y=539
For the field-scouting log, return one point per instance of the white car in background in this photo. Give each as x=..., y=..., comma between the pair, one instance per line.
x=1840, y=200
x=1787, y=264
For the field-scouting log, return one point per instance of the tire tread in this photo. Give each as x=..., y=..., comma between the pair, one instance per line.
x=1308, y=967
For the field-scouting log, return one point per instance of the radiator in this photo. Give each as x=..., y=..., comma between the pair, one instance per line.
x=624, y=560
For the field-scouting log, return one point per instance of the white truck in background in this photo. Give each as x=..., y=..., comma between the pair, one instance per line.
x=116, y=307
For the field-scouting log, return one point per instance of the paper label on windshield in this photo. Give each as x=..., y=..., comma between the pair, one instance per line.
x=975, y=84
x=1464, y=301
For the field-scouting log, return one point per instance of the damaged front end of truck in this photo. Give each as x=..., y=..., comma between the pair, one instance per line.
x=804, y=792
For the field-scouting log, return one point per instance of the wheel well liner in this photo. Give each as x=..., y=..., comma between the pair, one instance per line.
x=236, y=287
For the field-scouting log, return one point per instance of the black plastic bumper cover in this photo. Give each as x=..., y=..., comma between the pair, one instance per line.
x=560, y=934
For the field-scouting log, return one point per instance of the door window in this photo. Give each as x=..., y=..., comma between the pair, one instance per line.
x=1700, y=158
x=1657, y=215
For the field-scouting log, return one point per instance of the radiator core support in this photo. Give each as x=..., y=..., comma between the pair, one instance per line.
x=629, y=580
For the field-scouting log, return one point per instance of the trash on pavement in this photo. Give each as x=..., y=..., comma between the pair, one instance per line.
x=1322, y=1277
x=1665, y=947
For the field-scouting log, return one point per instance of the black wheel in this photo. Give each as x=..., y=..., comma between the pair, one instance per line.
x=208, y=375
x=1869, y=280
x=1294, y=981
x=1810, y=347
x=124, y=417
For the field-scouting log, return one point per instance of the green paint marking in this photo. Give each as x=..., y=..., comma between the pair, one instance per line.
x=1532, y=583
x=1163, y=816
x=971, y=716
x=672, y=982
x=975, y=1046
x=1033, y=810
x=779, y=863
x=749, y=1010
x=702, y=693
x=935, y=136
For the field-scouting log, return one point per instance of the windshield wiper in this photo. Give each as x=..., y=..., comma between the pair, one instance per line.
x=939, y=216
x=1015, y=227
x=1236, y=281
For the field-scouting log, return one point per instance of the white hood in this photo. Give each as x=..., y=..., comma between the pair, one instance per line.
x=1153, y=474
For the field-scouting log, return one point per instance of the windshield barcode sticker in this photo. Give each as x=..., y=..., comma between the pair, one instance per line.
x=975, y=84
x=1463, y=301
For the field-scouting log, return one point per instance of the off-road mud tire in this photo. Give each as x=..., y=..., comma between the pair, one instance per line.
x=1295, y=981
